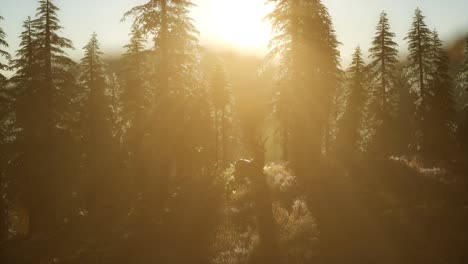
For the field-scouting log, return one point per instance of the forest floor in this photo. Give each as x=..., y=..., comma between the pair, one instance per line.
x=393, y=212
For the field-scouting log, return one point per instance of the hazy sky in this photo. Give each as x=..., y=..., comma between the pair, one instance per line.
x=238, y=23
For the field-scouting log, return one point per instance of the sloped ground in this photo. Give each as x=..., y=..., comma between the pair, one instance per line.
x=393, y=212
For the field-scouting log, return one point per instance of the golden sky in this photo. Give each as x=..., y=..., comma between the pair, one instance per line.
x=238, y=24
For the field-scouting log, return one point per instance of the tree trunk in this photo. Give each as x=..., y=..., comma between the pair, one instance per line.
x=224, y=138
x=216, y=137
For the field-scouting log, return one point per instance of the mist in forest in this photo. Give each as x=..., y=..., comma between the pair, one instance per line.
x=177, y=150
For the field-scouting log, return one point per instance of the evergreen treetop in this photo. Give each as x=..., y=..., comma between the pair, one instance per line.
x=3, y=53
x=384, y=56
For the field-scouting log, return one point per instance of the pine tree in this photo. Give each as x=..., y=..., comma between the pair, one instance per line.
x=4, y=100
x=52, y=59
x=441, y=111
x=3, y=54
x=134, y=59
x=5, y=97
x=462, y=82
x=176, y=75
x=462, y=102
x=179, y=126
x=338, y=103
x=405, y=114
x=26, y=80
x=45, y=156
x=92, y=67
x=305, y=42
x=57, y=84
x=40, y=99
x=221, y=100
x=419, y=65
x=25, y=108
x=25, y=56
x=114, y=92
x=97, y=123
x=348, y=138
x=330, y=70
x=177, y=132
x=134, y=95
x=383, y=54
x=175, y=41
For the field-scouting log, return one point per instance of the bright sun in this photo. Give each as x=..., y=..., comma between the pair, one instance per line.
x=237, y=23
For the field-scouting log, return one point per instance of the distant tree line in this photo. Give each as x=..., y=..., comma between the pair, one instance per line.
x=387, y=107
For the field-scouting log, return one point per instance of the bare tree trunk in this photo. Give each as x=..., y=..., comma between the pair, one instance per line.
x=224, y=138
x=285, y=141
x=3, y=217
x=216, y=137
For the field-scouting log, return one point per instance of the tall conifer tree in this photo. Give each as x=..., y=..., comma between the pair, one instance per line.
x=54, y=78
x=441, y=111
x=383, y=54
x=349, y=128
x=134, y=59
x=462, y=102
x=26, y=81
x=26, y=56
x=26, y=84
x=419, y=66
x=221, y=98
x=4, y=55
x=175, y=47
x=4, y=101
x=97, y=123
x=53, y=60
x=135, y=97
x=177, y=142
x=306, y=44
